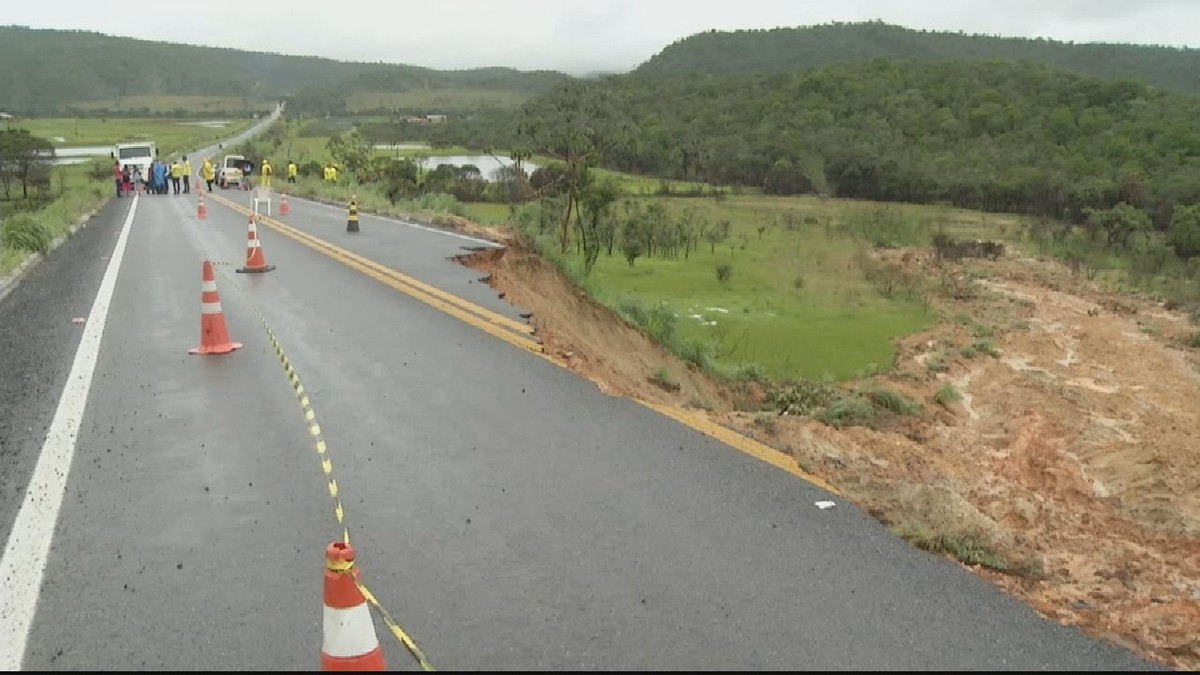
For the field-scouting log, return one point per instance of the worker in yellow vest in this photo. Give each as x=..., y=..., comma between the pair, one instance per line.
x=176, y=174
x=187, y=176
x=266, y=173
x=208, y=172
x=292, y=170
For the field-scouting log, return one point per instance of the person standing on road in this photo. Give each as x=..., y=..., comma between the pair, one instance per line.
x=208, y=172
x=176, y=174
x=266, y=172
x=292, y=170
x=187, y=176
x=118, y=176
x=159, y=179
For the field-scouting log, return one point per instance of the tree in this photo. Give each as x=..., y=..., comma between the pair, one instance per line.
x=597, y=226
x=352, y=151
x=24, y=158
x=579, y=125
x=1118, y=223
x=718, y=233
x=1184, y=235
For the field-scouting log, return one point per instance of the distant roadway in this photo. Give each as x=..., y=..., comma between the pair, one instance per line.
x=507, y=513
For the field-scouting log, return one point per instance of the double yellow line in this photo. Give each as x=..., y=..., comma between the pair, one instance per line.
x=520, y=335
x=506, y=328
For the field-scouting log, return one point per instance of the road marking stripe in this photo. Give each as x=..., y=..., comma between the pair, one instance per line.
x=733, y=439
x=445, y=297
x=23, y=564
x=398, y=221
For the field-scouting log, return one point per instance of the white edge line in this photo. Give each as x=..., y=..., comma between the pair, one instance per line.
x=413, y=225
x=23, y=563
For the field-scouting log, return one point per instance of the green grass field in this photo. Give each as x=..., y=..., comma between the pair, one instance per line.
x=169, y=104
x=170, y=135
x=797, y=304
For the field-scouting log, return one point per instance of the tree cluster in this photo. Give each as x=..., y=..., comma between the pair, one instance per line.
x=789, y=49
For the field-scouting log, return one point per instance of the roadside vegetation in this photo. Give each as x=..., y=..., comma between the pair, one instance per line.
x=40, y=202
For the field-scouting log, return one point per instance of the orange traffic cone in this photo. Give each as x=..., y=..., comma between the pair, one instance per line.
x=201, y=211
x=283, y=205
x=256, y=261
x=214, y=337
x=349, y=641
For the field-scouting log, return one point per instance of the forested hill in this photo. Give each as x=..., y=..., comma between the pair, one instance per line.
x=1001, y=136
x=44, y=71
x=782, y=49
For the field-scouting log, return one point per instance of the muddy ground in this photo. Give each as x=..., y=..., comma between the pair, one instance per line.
x=1072, y=449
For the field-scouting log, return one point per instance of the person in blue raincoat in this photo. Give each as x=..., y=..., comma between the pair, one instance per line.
x=160, y=178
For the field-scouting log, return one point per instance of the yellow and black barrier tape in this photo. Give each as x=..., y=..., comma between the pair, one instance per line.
x=314, y=430
x=470, y=313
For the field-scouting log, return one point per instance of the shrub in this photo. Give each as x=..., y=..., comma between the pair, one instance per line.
x=849, y=411
x=805, y=397
x=697, y=353
x=986, y=347
x=724, y=272
x=946, y=396
x=891, y=401
x=24, y=232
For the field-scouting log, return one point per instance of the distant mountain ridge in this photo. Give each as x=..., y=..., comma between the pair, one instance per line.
x=806, y=47
x=46, y=70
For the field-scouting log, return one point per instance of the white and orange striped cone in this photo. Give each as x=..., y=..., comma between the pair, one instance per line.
x=348, y=641
x=201, y=211
x=256, y=260
x=214, y=336
x=283, y=205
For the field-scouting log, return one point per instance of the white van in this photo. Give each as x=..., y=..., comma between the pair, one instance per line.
x=139, y=154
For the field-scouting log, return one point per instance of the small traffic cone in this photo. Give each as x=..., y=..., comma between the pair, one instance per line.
x=256, y=261
x=348, y=641
x=283, y=205
x=214, y=337
x=201, y=211
x=352, y=218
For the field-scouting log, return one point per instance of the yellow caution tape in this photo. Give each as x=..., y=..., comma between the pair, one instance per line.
x=314, y=429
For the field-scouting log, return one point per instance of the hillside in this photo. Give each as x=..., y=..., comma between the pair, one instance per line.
x=999, y=136
x=50, y=71
x=782, y=49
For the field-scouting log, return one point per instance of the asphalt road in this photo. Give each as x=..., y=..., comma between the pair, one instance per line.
x=508, y=514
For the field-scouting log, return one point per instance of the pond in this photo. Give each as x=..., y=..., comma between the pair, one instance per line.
x=486, y=163
x=403, y=146
x=79, y=155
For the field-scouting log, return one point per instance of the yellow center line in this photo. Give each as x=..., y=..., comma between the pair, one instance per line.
x=470, y=313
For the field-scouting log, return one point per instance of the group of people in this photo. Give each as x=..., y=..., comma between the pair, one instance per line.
x=164, y=177
x=267, y=172
x=161, y=178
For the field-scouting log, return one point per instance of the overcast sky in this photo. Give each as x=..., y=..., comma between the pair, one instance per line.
x=576, y=36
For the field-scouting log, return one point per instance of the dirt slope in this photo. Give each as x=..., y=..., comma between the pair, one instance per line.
x=1074, y=450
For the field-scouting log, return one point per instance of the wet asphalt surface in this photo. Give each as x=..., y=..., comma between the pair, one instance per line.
x=508, y=514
